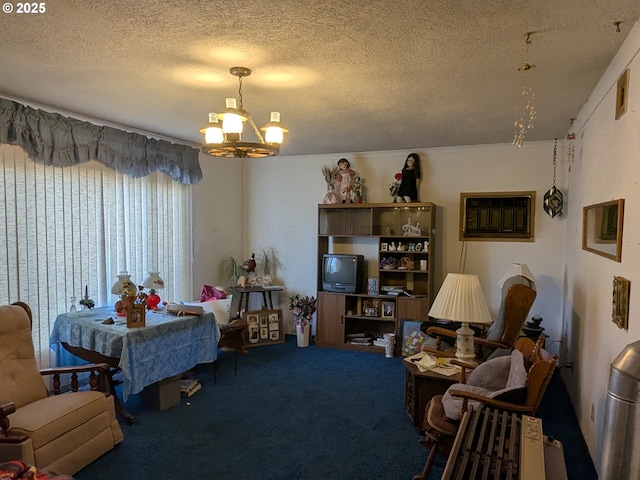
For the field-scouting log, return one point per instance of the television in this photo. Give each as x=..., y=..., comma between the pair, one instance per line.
x=342, y=273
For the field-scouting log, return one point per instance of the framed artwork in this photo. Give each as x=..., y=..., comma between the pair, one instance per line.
x=602, y=229
x=497, y=216
x=388, y=309
x=622, y=94
x=264, y=327
x=384, y=247
x=136, y=315
x=620, y=313
x=412, y=338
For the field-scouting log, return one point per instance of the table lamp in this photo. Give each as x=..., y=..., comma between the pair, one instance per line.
x=153, y=283
x=518, y=270
x=461, y=299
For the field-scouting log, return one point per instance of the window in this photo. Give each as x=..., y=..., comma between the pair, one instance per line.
x=64, y=229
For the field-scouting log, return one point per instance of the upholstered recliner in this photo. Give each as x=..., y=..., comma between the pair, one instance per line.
x=60, y=433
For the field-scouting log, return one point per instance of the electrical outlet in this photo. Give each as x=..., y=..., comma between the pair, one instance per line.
x=593, y=413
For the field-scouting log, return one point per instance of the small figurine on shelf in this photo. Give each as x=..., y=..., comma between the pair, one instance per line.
x=408, y=188
x=345, y=177
x=357, y=192
x=395, y=185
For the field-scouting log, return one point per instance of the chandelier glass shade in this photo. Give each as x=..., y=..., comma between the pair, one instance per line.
x=223, y=133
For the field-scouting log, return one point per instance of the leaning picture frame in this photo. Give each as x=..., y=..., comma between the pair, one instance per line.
x=264, y=327
x=136, y=313
x=412, y=337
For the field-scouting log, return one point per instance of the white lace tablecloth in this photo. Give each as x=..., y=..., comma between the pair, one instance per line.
x=168, y=345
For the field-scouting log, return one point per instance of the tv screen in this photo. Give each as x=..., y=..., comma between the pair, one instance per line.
x=342, y=273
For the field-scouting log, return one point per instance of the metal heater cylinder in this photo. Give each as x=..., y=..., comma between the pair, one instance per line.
x=622, y=417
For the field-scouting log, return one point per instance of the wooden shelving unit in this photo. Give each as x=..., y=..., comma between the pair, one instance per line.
x=398, y=235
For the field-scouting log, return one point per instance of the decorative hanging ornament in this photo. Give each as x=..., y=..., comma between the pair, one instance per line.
x=553, y=199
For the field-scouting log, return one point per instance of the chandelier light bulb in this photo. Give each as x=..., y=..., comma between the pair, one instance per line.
x=213, y=130
x=274, y=130
x=232, y=122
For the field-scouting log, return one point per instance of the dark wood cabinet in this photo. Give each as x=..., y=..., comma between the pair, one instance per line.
x=397, y=241
x=420, y=387
x=330, y=319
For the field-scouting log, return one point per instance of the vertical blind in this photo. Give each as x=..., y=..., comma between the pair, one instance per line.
x=66, y=229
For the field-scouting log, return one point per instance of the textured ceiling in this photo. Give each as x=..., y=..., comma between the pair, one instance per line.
x=347, y=76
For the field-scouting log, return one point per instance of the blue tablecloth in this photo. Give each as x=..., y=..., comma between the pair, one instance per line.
x=168, y=345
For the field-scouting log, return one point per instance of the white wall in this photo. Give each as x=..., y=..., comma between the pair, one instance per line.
x=217, y=218
x=606, y=168
x=282, y=194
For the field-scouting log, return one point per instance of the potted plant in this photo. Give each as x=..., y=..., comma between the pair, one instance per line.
x=302, y=309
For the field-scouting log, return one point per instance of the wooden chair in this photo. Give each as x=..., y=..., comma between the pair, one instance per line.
x=62, y=433
x=440, y=431
x=501, y=334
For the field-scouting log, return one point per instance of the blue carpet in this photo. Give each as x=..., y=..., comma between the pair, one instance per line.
x=290, y=413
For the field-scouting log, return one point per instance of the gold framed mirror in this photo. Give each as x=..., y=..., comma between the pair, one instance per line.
x=602, y=229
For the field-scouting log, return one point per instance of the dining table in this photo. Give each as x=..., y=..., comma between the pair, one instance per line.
x=167, y=345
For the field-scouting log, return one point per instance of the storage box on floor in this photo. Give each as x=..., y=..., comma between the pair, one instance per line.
x=163, y=394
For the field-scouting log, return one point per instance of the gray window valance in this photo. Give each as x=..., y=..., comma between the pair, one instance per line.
x=61, y=141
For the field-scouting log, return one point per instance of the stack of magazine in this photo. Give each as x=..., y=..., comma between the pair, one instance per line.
x=359, y=339
x=189, y=386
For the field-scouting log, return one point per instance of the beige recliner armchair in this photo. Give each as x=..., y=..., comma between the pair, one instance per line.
x=58, y=433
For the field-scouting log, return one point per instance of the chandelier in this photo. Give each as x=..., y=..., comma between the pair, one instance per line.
x=223, y=133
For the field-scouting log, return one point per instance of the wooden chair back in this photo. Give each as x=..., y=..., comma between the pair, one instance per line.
x=517, y=303
x=541, y=365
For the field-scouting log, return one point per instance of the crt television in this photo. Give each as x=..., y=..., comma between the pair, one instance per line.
x=342, y=273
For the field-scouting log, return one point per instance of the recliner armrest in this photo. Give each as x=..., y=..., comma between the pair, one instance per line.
x=97, y=376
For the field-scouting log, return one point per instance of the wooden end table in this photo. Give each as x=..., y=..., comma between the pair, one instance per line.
x=420, y=387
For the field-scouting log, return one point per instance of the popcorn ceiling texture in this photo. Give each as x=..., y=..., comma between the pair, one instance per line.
x=348, y=76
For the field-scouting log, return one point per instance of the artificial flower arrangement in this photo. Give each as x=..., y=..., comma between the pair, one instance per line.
x=302, y=309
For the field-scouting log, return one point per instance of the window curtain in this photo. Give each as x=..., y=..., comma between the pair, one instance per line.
x=60, y=141
x=66, y=229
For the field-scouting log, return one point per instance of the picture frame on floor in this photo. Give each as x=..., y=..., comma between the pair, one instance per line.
x=264, y=327
x=412, y=337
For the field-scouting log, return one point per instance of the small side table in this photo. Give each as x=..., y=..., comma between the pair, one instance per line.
x=244, y=292
x=232, y=339
x=420, y=387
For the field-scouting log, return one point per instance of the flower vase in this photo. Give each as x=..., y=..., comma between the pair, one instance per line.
x=303, y=333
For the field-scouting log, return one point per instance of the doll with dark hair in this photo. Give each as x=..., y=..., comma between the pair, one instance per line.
x=408, y=189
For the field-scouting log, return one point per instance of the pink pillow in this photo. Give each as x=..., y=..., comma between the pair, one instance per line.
x=211, y=293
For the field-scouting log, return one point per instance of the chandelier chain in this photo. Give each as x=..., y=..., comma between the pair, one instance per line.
x=240, y=92
x=555, y=150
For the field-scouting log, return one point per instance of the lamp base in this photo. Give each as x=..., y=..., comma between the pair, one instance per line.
x=465, y=351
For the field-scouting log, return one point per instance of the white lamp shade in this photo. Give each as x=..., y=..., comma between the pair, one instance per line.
x=274, y=135
x=517, y=270
x=153, y=281
x=461, y=299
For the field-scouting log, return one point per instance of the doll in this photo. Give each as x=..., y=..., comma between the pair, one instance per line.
x=408, y=189
x=345, y=179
